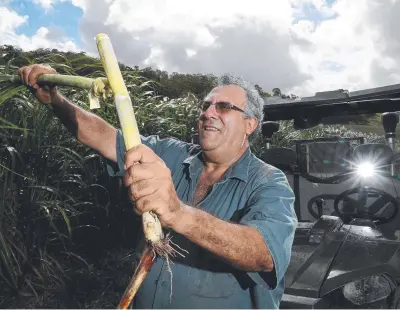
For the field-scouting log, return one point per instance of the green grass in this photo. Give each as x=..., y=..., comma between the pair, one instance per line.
x=371, y=128
x=64, y=224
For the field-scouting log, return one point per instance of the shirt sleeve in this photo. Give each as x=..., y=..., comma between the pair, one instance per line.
x=271, y=212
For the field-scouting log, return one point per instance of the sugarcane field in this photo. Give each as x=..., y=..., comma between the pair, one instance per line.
x=173, y=154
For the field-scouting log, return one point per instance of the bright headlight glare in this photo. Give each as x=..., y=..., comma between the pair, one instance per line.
x=366, y=170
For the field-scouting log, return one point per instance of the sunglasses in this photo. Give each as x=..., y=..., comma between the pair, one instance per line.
x=220, y=106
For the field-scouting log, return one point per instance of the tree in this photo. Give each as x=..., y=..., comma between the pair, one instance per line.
x=261, y=91
x=276, y=92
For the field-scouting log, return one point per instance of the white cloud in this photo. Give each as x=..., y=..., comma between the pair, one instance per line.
x=9, y=20
x=250, y=38
x=47, y=5
x=43, y=38
x=79, y=3
x=301, y=46
x=348, y=51
x=180, y=16
x=300, y=7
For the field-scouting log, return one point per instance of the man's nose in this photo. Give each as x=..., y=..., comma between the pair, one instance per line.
x=211, y=111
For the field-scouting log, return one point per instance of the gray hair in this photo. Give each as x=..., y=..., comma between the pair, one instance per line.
x=255, y=103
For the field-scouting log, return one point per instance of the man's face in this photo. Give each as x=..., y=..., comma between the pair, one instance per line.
x=223, y=131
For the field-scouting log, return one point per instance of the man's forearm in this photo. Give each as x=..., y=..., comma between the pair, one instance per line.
x=68, y=113
x=87, y=127
x=242, y=246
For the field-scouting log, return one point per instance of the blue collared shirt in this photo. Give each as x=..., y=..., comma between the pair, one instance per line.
x=250, y=193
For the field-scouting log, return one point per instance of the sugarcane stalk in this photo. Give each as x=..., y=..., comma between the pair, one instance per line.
x=57, y=79
x=156, y=243
x=99, y=87
x=126, y=116
x=143, y=268
x=66, y=80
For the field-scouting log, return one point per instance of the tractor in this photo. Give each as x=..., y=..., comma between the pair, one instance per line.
x=346, y=249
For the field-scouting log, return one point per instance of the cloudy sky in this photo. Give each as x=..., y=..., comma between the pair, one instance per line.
x=300, y=46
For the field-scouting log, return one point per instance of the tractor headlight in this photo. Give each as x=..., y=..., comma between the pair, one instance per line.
x=369, y=290
x=365, y=170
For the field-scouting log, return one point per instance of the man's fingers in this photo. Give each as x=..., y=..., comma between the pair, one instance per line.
x=33, y=76
x=144, y=171
x=29, y=74
x=141, y=154
x=144, y=204
x=20, y=74
x=24, y=74
x=142, y=189
x=49, y=69
x=138, y=172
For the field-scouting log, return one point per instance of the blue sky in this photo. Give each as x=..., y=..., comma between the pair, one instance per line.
x=310, y=12
x=63, y=15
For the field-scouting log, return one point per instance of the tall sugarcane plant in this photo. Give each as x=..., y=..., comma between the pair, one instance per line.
x=172, y=116
x=45, y=185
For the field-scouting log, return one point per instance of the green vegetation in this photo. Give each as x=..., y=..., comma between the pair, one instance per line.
x=67, y=230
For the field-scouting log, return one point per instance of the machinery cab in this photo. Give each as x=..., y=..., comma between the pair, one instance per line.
x=281, y=157
x=335, y=160
x=344, y=256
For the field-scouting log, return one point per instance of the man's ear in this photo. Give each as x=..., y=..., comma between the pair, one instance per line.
x=252, y=124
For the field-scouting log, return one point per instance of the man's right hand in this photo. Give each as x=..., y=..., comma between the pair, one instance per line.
x=29, y=75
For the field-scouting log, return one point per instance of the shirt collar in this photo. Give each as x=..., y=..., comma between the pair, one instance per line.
x=239, y=170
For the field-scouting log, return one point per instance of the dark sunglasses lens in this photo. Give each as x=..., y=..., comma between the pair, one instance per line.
x=223, y=106
x=204, y=106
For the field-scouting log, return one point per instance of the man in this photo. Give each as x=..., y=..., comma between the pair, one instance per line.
x=231, y=212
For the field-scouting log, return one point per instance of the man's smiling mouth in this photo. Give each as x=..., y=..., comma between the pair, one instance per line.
x=210, y=128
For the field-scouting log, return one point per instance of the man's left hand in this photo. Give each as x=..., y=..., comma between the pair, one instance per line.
x=150, y=185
